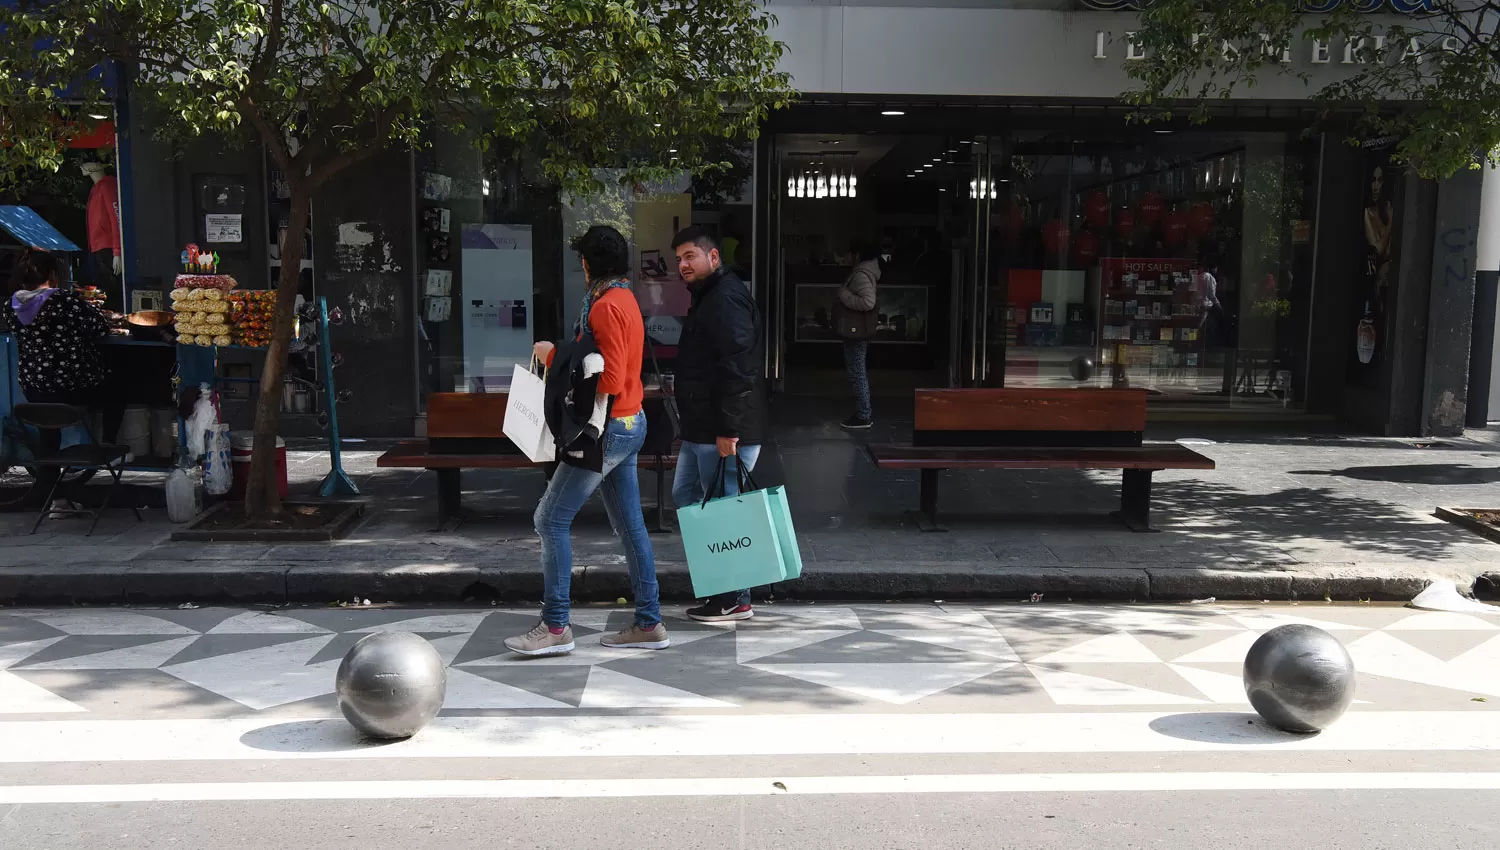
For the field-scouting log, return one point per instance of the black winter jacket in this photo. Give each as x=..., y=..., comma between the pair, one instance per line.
x=720, y=391
x=569, y=402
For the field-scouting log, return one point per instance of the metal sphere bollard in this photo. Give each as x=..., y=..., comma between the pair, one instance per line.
x=1081, y=367
x=1299, y=678
x=391, y=684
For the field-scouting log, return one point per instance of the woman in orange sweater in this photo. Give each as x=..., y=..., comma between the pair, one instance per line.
x=612, y=315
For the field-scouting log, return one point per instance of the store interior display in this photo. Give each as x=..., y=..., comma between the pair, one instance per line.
x=1152, y=314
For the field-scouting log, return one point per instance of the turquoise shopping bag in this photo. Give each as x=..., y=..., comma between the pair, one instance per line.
x=786, y=535
x=732, y=542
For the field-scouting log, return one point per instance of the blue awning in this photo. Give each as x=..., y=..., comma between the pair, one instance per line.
x=32, y=230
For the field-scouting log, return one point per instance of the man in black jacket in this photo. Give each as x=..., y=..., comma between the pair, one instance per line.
x=720, y=392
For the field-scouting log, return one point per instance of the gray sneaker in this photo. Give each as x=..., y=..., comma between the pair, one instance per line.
x=636, y=637
x=541, y=641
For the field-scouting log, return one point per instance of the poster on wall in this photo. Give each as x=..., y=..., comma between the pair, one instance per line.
x=225, y=228
x=1375, y=287
x=901, y=311
x=496, y=315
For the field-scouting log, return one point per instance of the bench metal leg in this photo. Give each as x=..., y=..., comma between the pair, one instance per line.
x=660, y=526
x=450, y=498
x=1135, y=501
x=927, y=519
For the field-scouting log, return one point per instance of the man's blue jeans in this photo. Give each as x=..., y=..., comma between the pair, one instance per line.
x=566, y=494
x=697, y=467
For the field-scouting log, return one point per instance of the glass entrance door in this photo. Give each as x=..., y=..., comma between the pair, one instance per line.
x=979, y=303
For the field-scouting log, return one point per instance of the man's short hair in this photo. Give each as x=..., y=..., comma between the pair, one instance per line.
x=697, y=236
x=605, y=250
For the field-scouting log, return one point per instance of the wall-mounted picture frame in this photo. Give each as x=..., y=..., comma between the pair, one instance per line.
x=902, y=311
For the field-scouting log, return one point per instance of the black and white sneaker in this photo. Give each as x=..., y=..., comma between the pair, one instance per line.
x=856, y=423
x=714, y=612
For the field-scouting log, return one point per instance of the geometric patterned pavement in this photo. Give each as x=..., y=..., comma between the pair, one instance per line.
x=110, y=664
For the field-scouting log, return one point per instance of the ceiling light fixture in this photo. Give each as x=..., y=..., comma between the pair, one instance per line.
x=982, y=188
x=98, y=116
x=824, y=176
x=893, y=113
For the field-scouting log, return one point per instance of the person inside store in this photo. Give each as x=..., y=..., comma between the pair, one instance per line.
x=1212, y=323
x=857, y=299
x=721, y=401
x=609, y=326
x=57, y=333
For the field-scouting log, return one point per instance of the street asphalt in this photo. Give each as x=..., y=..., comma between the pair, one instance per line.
x=1327, y=820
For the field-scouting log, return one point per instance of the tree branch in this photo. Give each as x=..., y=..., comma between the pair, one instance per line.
x=262, y=63
x=270, y=136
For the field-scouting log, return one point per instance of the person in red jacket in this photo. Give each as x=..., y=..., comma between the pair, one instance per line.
x=612, y=315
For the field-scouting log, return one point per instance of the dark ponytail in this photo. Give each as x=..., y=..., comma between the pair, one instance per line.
x=35, y=269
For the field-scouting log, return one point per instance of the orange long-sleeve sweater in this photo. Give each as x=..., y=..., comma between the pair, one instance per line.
x=620, y=333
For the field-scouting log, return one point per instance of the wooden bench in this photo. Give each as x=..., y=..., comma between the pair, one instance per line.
x=1036, y=429
x=466, y=431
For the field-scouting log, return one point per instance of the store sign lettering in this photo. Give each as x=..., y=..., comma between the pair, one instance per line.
x=1349, y=52
x=1139, y=266
x=1400, y=7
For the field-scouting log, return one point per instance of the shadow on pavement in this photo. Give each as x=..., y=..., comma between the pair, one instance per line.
x=1243, y=728
x=1443, y=474
x=310, y=736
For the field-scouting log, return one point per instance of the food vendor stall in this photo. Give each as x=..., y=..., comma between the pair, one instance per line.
x=154, y=353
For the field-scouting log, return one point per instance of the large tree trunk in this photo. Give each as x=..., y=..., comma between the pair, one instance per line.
x=262, y=499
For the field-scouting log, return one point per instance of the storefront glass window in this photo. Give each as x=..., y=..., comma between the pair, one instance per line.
x=1177, y=262
x=649, y=215
x=496, y=273
x=485, y=278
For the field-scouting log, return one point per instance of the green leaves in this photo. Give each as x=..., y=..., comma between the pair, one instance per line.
x=1430, y=80
x=348, y=79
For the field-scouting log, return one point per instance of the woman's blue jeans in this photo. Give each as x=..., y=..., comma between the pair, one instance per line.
x=566, y=495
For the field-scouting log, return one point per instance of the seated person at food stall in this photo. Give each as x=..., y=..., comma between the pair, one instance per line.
x=57, y=334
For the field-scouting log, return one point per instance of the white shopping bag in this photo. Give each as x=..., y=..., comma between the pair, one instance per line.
x=525, y=419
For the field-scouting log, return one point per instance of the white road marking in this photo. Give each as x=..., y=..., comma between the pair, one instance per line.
x=531, y=736
x=1013, y=783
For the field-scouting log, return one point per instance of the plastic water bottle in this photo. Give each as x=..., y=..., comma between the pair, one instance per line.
x=183, y=499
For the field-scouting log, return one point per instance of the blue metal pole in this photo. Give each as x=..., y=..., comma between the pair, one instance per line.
x=338, y=482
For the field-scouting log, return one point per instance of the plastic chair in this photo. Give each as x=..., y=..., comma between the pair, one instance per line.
x=89, y=456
